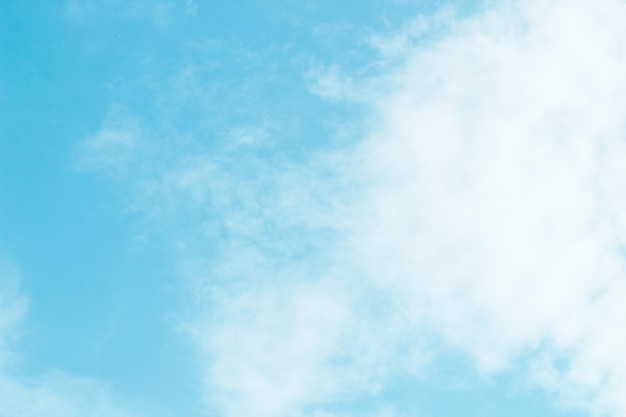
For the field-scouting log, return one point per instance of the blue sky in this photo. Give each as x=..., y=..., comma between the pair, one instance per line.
x=380, y=208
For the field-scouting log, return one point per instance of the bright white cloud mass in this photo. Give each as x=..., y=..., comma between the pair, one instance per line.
x=492, y=211
x=497, y=213
x=464, y=223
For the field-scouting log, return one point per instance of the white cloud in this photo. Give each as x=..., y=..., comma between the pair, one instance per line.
x=498, y=209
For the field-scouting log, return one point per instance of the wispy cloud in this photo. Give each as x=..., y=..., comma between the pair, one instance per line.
x=57, y=395
x=191, y=8
x=270, y=356
x=329, y=83
x=51, y=393
x=114, y=147
x=12, y=308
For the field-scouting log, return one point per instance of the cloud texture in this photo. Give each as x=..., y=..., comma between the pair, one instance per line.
x=483, y=211
x=497, y=212
x=493, y=207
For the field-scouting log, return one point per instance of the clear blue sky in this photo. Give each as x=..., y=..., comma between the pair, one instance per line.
x=385, y=208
